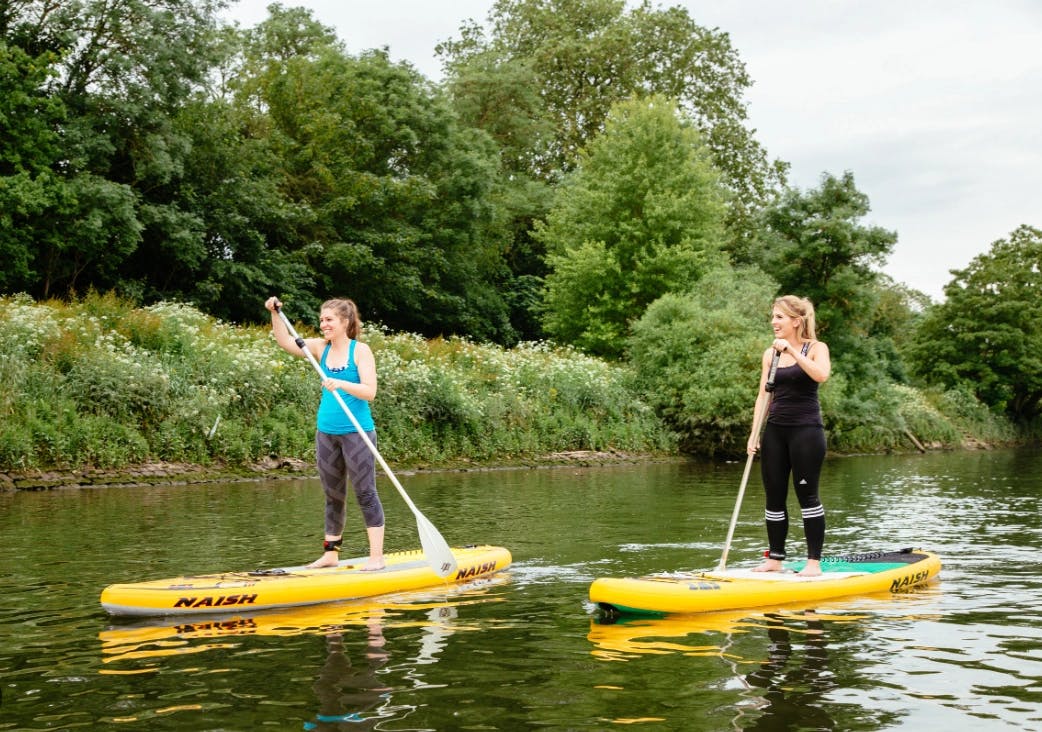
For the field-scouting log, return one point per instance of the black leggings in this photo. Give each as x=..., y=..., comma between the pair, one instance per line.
x=799, y=451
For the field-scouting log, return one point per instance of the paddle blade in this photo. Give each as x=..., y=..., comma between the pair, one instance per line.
x=435, y=549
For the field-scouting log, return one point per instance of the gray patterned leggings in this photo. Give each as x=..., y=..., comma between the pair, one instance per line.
x=341, y=458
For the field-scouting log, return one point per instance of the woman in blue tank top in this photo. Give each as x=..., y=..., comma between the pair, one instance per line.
x=793, y=440
x=341, y=453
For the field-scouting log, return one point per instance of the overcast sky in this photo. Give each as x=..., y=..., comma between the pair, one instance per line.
x=934, y=105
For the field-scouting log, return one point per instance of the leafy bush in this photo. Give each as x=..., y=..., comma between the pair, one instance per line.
x=970, y=416
x=923, y=420
x=100, y=382
x=861, y=416
x=105, y=383
x=696, y=358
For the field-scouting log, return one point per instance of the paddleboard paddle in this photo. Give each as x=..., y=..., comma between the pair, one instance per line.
x=757, y=426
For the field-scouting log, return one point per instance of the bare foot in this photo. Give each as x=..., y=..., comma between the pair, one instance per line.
x=374, y=565
x=769, y=565
x=329, y=559
x=811, y=569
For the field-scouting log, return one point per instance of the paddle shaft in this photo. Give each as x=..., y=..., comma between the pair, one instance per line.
x=758, y=422
x=428, y=533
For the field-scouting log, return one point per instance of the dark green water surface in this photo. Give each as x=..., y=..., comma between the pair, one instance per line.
x=526, y=650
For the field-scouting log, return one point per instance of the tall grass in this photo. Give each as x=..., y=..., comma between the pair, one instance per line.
x=101, y=383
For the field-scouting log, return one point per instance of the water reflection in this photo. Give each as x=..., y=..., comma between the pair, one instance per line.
x=352, y=693
x=359, y=673
x=618, y=638
x=792, y=682
x=791, y=667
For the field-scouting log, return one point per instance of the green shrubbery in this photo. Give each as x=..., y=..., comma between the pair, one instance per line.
x=697, y=360
x=100, y=383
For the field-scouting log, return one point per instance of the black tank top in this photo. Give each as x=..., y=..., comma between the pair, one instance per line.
x=794, y=401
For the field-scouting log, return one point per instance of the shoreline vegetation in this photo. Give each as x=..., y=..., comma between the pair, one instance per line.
x=99, y=392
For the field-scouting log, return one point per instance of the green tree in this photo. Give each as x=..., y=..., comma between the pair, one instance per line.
x=641, y=216
x=504, y=100
x=401, y=214
x=814, y=245
x=234, y=233
x=986, y=335
x=587, y=55
x=30, y=147
x=696, y=357
x=117, y=69
x=894, y=318
x=247, y=232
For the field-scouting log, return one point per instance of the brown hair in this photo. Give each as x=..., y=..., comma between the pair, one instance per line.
x=346, y=310
x=802, y=308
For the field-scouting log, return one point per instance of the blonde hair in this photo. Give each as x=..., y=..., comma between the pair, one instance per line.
x=802, y=308
x=346, y=310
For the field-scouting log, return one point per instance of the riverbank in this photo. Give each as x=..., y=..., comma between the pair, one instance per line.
x=272, y=468
x=101, y=383
x=282, y=469
x=100, y=392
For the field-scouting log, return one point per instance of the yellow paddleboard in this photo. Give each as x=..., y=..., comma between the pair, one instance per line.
x=237, y=592
x=734, y=589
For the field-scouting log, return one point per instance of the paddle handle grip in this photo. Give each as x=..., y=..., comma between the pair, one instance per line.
x=769, y=386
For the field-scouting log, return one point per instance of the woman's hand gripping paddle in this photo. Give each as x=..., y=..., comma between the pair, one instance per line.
x=758, y=422
x=435, y=549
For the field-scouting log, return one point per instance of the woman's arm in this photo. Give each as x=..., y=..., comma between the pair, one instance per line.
x=282, y=336
x=817, y=364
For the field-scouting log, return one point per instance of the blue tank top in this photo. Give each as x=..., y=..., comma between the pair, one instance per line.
x=331, y=418
x=794, y=401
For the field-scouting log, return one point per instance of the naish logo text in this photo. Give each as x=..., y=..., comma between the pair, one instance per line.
x=220, y=601
x=909, y=580
x=475, y=570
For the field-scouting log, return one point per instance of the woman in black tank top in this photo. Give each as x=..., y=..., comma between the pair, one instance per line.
x=793, y=440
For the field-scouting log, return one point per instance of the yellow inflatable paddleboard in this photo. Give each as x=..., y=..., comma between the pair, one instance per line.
x=735, y=589
x=207, y=594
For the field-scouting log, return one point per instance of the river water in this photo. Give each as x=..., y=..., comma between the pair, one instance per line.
x=526, y=649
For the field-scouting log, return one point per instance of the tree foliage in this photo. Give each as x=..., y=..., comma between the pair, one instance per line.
x=29, y=147
x=986, y=335
x=105, y=79
x=815, y=246
x=399, y=193
x=541, y=78
x=641, y=216
x=587, y=55
x=696, y=357
x=167, y=157
x=504, y=100
x=149, y=151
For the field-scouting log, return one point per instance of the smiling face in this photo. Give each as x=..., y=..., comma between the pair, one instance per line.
x=784, y=325
x=331, y=324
